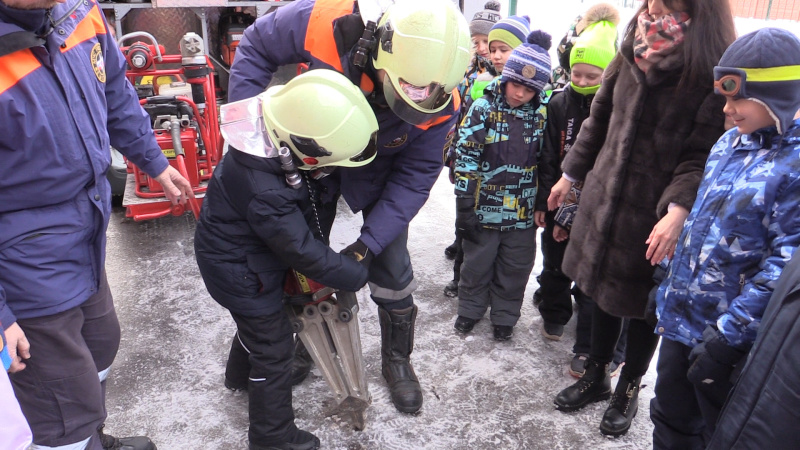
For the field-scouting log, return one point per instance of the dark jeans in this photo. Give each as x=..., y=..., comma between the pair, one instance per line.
x=641, y=344
x=684, y=415
x=60, y=391
x=263, y=346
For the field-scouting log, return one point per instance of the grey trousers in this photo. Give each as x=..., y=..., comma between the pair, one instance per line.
x=495, y=273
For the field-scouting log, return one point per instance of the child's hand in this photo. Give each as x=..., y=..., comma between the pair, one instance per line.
x=664, y=237
x=558, y=193
x=538, y=218
x=560, y=234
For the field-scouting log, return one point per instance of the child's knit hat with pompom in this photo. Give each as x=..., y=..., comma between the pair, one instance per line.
x=529, y=63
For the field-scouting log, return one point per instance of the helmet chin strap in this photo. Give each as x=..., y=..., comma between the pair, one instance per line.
x=56, y=23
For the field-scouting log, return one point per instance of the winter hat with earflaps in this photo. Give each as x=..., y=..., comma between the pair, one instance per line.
x=763, y=66
x=529, y=63
x=511, y=30
x=483, y=21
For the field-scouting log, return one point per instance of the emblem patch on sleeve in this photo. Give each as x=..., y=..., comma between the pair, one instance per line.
x=98, y=63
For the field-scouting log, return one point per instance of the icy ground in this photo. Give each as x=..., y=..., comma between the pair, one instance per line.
x=479, y=394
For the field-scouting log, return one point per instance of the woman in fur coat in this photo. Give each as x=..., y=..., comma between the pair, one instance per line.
x=641, y=155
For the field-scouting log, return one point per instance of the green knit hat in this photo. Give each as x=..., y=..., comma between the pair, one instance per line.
x=597, y=43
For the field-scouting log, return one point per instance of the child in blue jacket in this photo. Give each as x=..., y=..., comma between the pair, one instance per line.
x=496, y=180
x=743, y=229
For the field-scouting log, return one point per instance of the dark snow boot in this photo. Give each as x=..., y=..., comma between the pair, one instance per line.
x=303, y=441
x=594, y=386
x=302, y=362
x=397, y=342
x=624, y=405
x=127, y=443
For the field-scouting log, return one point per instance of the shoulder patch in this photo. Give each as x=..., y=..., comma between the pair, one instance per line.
x=98, y=63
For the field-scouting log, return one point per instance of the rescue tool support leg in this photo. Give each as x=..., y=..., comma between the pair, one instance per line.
x=330, y=333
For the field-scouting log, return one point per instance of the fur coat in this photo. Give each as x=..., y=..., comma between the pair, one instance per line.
x=643, y=147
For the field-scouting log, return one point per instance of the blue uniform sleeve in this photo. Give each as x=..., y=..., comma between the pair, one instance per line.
x=740, y=323
x=129, y=127
x=414, y=172
x=469, y=150
x=6, y=316
x=274, y=40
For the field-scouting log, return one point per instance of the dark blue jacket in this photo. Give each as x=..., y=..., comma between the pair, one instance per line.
x=323, y=34
x=252, y=228
x=761, y=411
x=62, y=104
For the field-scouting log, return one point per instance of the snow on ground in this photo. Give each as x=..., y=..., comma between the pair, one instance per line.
x=479, y=394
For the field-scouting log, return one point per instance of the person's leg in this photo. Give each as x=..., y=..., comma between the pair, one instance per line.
x=60, y=391
x=619, y=350
x=625, y=402
x=451, y=290
x=595, y=384
x=583, y=332
x=391, y=284
x=476, y=274
x=237, y=368
x=677, y=418
x=711, y=398
x=556, y=295
x=512, y=268
x=268, y=341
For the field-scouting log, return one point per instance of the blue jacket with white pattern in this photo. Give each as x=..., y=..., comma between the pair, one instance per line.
x=741, y=232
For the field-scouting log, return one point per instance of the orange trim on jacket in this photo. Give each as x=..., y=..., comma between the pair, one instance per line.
x=320, y=29
x=89, y=27
x=441, y=119
x=16, y=66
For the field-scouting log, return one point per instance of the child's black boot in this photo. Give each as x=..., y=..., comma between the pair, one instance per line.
x=594, y=386
x=624, y=405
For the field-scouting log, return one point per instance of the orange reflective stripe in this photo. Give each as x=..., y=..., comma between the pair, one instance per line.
x=456, y=107
x=319, y=35
x=89, y=27
x=16, y=66
x=367, y=86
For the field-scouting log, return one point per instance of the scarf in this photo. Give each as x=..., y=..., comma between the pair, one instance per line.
x=656, y=38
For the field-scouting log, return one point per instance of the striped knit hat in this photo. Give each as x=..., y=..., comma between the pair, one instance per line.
x=511, y=30
x=529, y=63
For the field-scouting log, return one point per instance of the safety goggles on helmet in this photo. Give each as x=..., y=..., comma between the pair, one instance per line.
x=427, y=100
x=732, y=81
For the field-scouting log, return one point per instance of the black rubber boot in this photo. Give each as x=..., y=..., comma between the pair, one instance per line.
x=305, y=441
x=126, y=443
x=302, y=362
x=624, y=405
x=397, y=342
x=594, y=386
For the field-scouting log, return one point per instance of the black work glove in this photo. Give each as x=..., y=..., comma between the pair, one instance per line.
x=713, y=360
x=467, y=224
x=360, y=252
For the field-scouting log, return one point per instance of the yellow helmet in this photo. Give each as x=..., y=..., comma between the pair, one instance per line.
x=424, y=48
x=323, y=118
